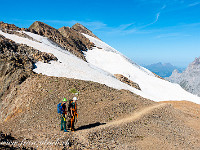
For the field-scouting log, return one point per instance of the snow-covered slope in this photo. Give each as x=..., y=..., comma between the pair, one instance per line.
x=102, y=64
x=110, y=60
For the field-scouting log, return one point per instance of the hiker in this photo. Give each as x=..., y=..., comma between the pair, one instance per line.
x=61, y=108
x=72, y=113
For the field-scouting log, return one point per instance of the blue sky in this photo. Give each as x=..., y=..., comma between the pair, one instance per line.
x=146, y=31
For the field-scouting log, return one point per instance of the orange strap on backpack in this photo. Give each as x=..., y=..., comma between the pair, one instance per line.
x=75, y=111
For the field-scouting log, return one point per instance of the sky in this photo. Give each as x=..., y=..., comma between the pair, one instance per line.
x=146, y=31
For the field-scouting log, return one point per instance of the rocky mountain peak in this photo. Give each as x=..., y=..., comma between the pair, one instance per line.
x=77, y=39
x=196, y=61
x=194, y=66
x=188, y=79
x=58, y=36
x=162, y=69
x=80, y=28
x=8, y=26
x=42, y=28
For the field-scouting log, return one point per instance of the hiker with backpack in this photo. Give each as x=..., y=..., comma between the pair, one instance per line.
x=72, y=108
x=62, y=109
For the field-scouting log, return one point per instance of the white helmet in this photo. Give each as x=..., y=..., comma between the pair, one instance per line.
x=75, y=98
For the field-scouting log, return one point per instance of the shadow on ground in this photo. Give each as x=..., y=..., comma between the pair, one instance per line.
x=89, y=126
x=7, y=143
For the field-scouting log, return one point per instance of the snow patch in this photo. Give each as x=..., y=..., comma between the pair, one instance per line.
x=102, y=64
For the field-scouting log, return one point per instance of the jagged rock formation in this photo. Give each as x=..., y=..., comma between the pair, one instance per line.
x=74, y=43
x=8, y=26
x=17, y=62
x=11, y=27
x=76, y=38
x=124, y=79
x=188, y=79
x=80, y=28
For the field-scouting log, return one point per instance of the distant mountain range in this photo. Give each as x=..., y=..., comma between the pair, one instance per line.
x=188, y=79
x=163, y=70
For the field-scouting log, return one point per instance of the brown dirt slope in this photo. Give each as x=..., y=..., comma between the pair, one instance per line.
x=30, y=111
x=155, y=127
x=108, y=118
x=190, y=109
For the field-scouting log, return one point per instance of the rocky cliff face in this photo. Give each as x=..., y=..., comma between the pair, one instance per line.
x=188, y=79
x=16, y=63
x=8, y=26
x=77, y=39
x=67, y=38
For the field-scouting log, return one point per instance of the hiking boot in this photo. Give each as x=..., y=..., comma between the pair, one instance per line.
x=66, y=130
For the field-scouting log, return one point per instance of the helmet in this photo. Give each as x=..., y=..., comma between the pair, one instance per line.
x=75, y=98
x=64, y=100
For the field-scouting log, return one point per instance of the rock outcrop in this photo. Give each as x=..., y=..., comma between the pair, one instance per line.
x=70, y=39
x=66, y=38
x=8, y=26
x=80, y=28
x=17, y=62
x=124, y=79
x=18, y=33
x=188, y=79
x=76, y=39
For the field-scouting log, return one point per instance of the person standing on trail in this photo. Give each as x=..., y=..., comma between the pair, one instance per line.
x=62, y=109
x=73, y=112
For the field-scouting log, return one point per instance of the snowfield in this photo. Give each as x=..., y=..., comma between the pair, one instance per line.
x=103, y=62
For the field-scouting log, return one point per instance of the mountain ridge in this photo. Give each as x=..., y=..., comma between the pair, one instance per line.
x=53, y=34
x=162, y=69
x=28, y=107
x=188, y=79
x=80, y=28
